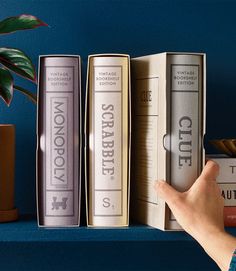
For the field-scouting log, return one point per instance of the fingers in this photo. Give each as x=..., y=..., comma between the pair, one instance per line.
x=167, y=192
x=174, y=198
x=210, y=171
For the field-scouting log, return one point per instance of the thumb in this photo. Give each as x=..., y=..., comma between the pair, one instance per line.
x=210, y=171
x=167, y=193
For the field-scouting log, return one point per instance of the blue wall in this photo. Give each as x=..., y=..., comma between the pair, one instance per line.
x=133, y=27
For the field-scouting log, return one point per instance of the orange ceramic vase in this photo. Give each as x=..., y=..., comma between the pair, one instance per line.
x=8, y=212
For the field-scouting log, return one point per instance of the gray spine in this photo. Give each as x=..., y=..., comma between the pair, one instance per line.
x=58, y=135
x=185, y=73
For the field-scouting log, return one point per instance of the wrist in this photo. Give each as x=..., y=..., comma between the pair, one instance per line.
x=210, y=235
x=219, y=245
x=204, y=234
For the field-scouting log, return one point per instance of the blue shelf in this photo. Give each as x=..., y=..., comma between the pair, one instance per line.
x=26, y=230
x=137, y=247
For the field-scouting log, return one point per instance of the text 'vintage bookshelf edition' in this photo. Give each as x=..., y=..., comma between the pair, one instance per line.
x=168, y=101
x=58, y=141
x=107, y=124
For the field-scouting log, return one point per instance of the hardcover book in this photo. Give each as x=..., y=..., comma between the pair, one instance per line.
x=107, y=127
x=58, y=141
x=227, y=183
x=168, y=100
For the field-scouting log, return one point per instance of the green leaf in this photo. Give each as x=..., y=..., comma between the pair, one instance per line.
x=18, y=62
x=6, y=86
x=27, y=93
x=21, y=22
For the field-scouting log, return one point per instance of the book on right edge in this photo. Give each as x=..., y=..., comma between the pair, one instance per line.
x=227, y=183
x=168, y=101
x=107, y=143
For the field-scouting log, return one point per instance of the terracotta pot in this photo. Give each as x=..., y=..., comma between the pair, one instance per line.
x=8, y=212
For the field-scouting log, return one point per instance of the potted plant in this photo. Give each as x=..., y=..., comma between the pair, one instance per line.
x=16, y=61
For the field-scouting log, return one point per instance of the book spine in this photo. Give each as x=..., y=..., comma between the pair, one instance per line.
x=58, y=133
x=185, y=84
x=227, y=183
x=108, y=140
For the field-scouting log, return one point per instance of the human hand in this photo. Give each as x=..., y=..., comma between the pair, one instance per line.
x=200, y=209
x=200, y=212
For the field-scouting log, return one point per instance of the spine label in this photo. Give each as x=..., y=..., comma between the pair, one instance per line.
x=59, y=198
x=59, y=140
x=228, y=192
x=184, y=125
x=59, y=79
x=107, y=126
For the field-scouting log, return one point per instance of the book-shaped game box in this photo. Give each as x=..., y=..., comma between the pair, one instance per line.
x=168, y=102
x=107, y=143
